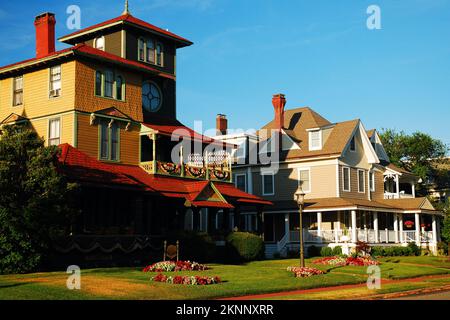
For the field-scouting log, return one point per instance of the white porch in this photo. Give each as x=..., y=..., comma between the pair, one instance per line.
x=375, y=228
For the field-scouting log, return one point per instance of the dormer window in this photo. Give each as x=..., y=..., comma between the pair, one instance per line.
x=159, y=54
x=353, y=144
x=99, y=43
x=315, y=140
x=150, y=51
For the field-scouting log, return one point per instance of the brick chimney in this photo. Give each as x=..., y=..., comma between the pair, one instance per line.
x=279, y=101
x=45, y=34
x=221, y=124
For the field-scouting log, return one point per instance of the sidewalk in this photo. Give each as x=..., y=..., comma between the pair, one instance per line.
x=338, y=288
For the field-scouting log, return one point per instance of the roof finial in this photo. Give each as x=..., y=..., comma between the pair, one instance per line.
x=126, y=11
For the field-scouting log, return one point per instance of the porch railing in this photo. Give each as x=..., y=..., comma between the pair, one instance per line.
x=366, y=235
x=214, y=171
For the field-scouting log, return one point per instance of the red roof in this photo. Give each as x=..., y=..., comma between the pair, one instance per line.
x=78, y=166
x=172, y=127
x=129, y=19
x=85, y=50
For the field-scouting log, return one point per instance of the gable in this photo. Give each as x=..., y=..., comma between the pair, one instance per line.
x=364, y=153
x=12, y=118
x=426, y=205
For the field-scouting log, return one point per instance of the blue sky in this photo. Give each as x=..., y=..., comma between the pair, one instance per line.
x=319, y=53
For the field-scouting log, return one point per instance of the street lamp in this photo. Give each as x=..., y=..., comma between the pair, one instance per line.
x=300, y=198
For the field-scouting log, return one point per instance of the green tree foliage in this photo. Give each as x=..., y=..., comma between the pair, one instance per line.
x=416, y=152
x=34, y=200
x=445, y=231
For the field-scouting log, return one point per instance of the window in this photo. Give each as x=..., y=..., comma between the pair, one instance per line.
x=109, y=84
x=268, y=184
x=346, y=179
x=159, y=54
x=150, y=51
x=55, y=81
x=141, y=50
x=98, y=83
x=241, y=182
x=18, y=91
x=315, y=140
x=151, y=97
x=353, y=144
x=120, y=88
x=54, y=132
x=361, y=181
x=99, y=43
x=372, y=181
x=304, y=179
x=109, y=140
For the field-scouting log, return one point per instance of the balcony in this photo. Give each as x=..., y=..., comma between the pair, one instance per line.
x=401, y=195
x=218, y=168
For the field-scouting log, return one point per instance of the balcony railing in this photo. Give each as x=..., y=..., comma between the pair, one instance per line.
x=213, y=170
x=390, y=195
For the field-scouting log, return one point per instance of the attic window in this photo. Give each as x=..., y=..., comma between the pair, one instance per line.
x=353, y=144
x=315, y=140
x=99, y=43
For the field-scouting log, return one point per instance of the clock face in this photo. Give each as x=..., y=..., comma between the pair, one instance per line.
x=151, y=97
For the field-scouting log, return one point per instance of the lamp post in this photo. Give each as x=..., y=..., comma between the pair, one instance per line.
x=300, y=198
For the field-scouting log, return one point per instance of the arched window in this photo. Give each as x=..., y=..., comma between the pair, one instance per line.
x=109, y=84
x=150, y=51
x=120, y=88
x=99, y=43
x=141, y=49
x=159, y=54
x=98, y=83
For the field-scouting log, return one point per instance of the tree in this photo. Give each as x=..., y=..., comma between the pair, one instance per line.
x=415, y=152
x=34, y=200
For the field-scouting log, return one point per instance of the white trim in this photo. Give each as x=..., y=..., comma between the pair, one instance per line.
x=364, y=182
x=245, y=180
x=349, y=179
x=309, y=174
x=104, y=43
x=372, y=184
x=311, y=148
x=268, y=173
x=338, y=181
x=250, y=181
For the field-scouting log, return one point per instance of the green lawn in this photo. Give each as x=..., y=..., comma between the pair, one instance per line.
x=252, y=278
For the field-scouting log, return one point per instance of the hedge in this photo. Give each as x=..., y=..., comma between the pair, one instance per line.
x=245, y=246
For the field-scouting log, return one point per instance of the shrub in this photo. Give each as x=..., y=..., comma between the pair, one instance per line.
x=326, y=252
x=415, y=250
x=337, y=251
x=313, y=251
x=377, y=251
x=245, y=246
x=442, y=248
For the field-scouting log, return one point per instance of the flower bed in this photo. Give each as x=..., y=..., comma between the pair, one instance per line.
x=186, y=280
x=304, y=272
x=349, y=261
x=172, y=266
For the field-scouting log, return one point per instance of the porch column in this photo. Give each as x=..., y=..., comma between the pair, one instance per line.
x=375, y=227
x=400, y=222
x=434, y=229
x=259, y=223
x=396, y=227
x=417, y=223
x=319, y=225
x=413, y=190
x=354, y=235
x=397, y=181
x=226, y=219
x=286, y=225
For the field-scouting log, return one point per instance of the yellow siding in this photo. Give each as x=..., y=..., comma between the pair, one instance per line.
x=36, y=101
x=88, y=140
x=41, y=126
